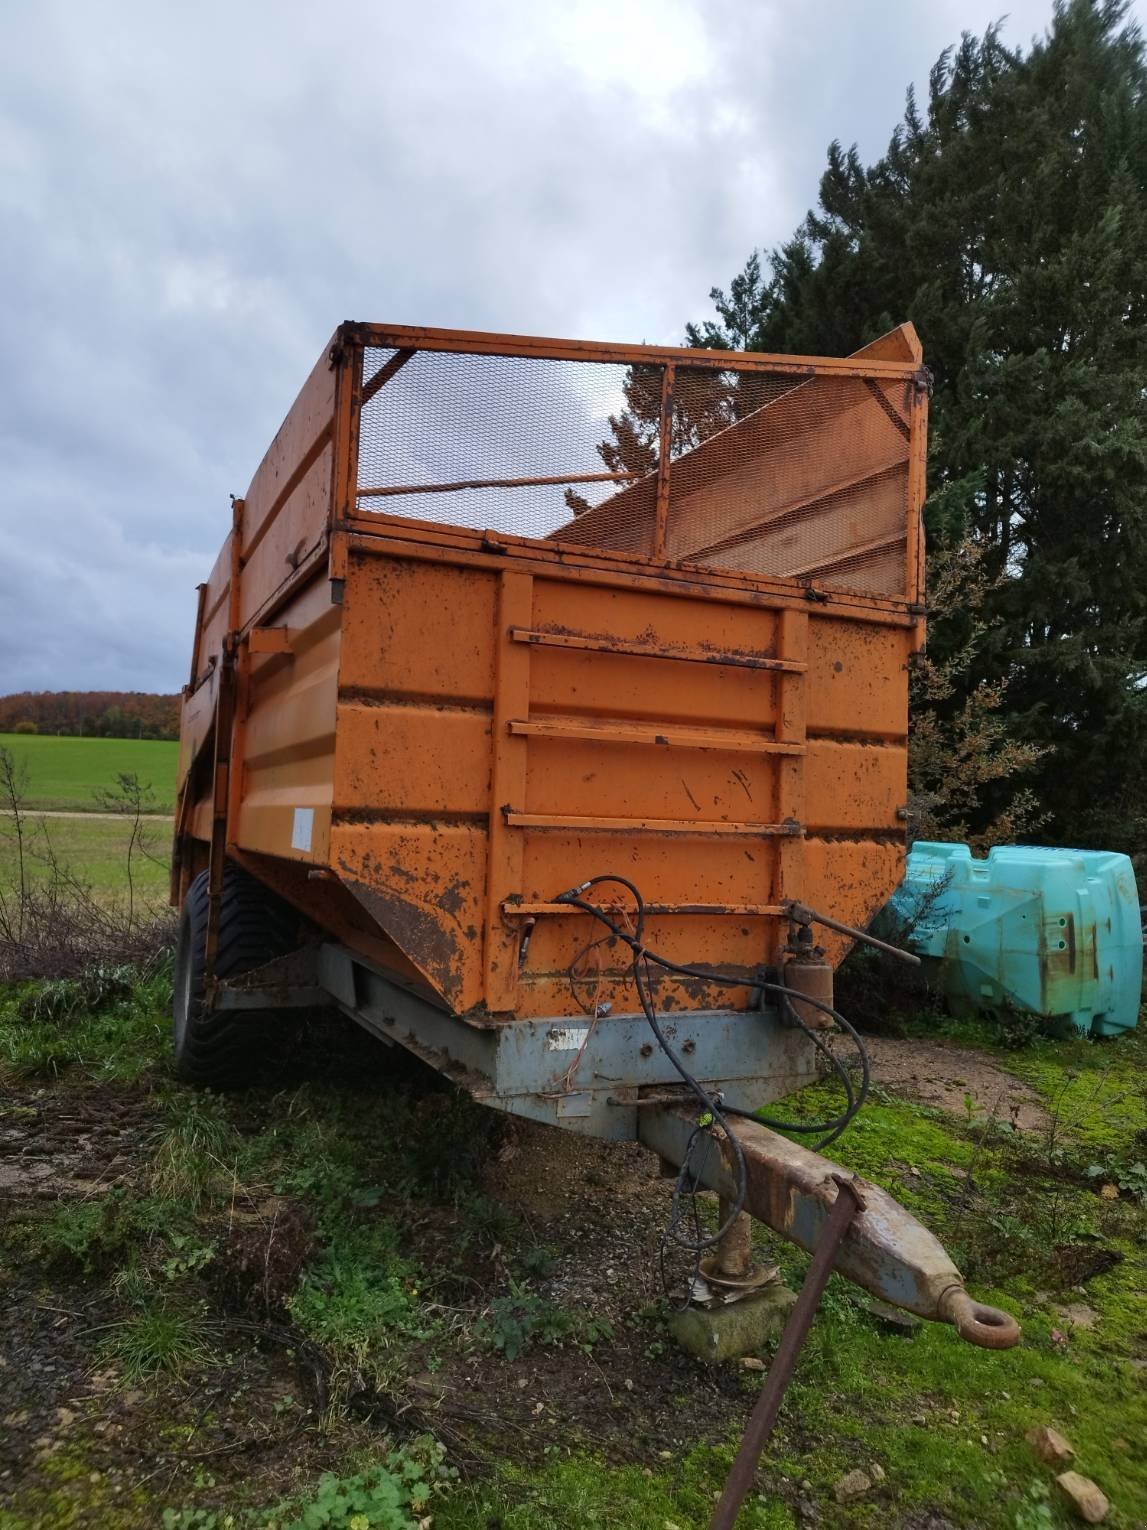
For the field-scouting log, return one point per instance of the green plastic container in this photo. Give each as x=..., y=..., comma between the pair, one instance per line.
x=1054, y=932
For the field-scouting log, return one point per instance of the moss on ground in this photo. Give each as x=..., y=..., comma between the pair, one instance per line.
x=582, y=1491
x=355, y=1212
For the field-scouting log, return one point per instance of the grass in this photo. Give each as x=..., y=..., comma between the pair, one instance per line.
x=351, y=1209
x=118, y=1040
x=159, y=1339
x=68, y=774
x=581, y=1491
x=95, y=850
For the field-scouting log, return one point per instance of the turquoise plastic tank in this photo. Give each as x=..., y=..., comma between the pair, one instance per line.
x=1056, y=932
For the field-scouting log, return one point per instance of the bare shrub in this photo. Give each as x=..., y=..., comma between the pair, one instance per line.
x=962, y=756
x=51, y=923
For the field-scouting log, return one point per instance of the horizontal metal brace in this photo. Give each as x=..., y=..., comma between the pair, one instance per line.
x=288, y=982
x=671, y=738
x=744, y=910
x=569, y=1069
x=700, y=826
x=387, y=490
x=483, y=343
x=264, y=999
x=737, y=658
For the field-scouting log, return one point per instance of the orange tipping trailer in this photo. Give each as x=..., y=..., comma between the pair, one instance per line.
x=498, y=614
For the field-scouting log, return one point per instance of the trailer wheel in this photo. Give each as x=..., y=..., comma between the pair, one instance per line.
x=222, y=1049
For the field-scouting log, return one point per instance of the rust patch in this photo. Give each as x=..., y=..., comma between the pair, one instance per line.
x=452, y=901
x=416, y=932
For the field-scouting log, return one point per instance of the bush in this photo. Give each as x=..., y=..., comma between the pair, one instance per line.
x=51, y=924
x=25, y=725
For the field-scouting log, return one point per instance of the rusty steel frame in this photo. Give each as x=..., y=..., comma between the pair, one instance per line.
x=437, y=541
x=482, y=343
x=353, y=339
x=555, y=479
x=347, y=526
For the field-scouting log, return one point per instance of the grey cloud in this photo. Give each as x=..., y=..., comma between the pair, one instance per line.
x=193, y=197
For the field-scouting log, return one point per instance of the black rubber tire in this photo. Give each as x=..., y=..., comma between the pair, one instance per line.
x=223, y=1049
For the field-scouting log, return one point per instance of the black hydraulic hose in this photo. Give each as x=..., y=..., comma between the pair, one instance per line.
x=712, y=1110
x=834, y=1127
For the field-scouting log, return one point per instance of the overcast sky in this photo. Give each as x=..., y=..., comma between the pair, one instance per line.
x=192, y=197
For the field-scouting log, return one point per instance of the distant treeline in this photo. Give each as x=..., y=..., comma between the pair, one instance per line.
x=94, y=714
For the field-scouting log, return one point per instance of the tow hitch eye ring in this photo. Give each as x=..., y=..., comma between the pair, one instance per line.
x=978, y=1324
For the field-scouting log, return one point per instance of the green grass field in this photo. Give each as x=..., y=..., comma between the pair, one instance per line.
x=94, y=850
x=68, y=774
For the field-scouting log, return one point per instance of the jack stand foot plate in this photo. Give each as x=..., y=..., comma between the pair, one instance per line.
x=728, y=1330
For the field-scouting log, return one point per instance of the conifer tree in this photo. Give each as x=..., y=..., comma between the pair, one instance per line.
x=1008, y=221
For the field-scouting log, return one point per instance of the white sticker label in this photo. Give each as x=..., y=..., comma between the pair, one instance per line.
x=303, y=828
x=567, y=1039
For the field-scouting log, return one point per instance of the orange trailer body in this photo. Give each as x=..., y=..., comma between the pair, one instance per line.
x=462, y=650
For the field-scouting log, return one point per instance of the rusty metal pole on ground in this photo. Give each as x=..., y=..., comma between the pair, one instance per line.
x=764, y=1415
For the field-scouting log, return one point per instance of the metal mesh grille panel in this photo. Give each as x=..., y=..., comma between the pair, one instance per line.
x=800, y=475
x=464, y=439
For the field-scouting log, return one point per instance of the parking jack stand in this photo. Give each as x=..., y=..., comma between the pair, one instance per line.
x=736, y=1307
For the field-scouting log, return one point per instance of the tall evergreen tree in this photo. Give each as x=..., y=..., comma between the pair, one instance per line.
x=1008, y=220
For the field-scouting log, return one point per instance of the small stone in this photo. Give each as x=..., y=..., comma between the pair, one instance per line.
x=666, y=1455
x=878, y=1472
x=752, y=1363
x=1049, y=1445
x=65, y=1416
x=1078, y=1315
x=853, y=1485
x=920, y=1420
x=1086, y=1499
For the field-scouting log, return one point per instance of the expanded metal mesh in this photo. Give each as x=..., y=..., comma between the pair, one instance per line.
x=800, y=475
